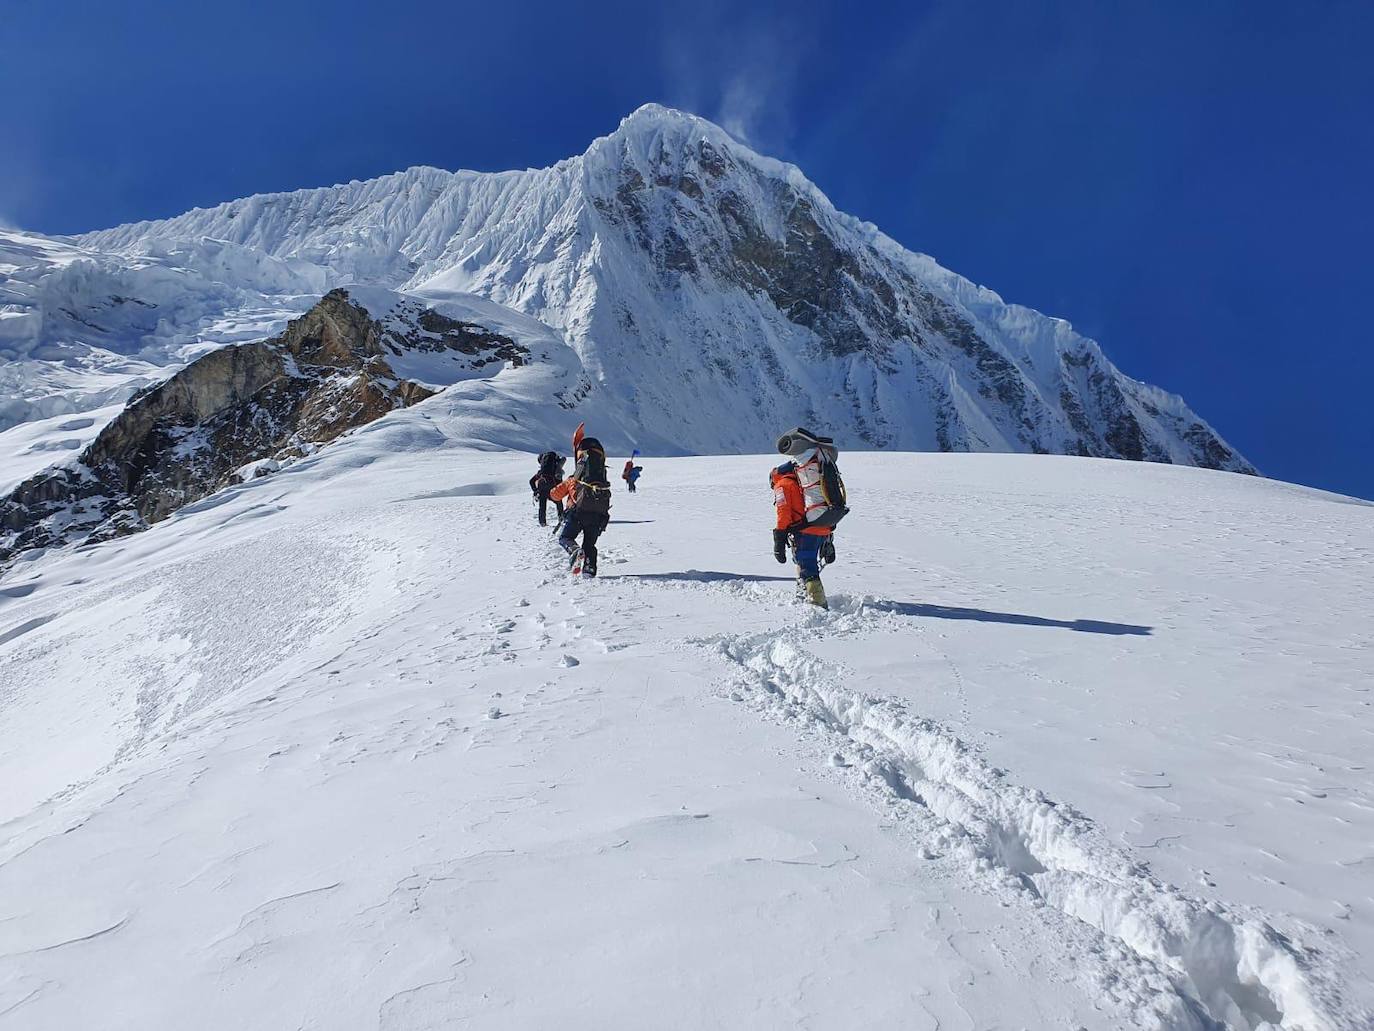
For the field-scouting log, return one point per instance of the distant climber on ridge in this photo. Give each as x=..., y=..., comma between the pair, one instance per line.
x=631, y=472
x=590, y=510
x=809, y=497
x=544, y=481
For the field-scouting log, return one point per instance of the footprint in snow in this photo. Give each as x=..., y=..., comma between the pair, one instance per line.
x=567, y=662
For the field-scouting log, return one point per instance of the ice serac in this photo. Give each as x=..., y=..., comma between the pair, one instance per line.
x=245, y=410
x=82, y=328
x=713, y=294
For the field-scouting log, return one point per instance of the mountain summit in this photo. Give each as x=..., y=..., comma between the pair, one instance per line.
x=709, y=294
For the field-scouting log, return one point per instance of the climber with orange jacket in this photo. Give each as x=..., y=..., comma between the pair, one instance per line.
x=809, y=498
x=589, y=510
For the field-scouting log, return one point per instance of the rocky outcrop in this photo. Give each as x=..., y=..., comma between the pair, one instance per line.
x=237, y=412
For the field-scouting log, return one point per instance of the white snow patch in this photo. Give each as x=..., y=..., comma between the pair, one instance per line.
x=257, y=740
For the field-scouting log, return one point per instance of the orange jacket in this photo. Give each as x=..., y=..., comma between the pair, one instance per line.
x=560, y=492
x=787, y=498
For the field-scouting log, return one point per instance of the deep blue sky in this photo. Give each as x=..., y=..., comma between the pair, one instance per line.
x=1189, y=183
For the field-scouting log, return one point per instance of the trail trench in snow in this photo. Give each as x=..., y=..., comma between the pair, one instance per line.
x=409, y=774
x=1227, y=970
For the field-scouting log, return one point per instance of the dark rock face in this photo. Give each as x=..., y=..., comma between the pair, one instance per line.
x=264, y=403
x=703, y=215
x=413, y=327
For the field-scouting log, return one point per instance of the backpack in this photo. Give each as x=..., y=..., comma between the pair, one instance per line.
x=549, y=462
x=818, y=472
x=593, y=491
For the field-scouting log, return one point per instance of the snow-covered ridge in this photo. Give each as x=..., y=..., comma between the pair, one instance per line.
x=671, y=256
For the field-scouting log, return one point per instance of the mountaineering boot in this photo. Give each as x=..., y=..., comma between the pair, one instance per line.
x=575, y=561
x=815, y=593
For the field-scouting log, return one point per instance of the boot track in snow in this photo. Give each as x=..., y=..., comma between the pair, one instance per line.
x=1202, y=964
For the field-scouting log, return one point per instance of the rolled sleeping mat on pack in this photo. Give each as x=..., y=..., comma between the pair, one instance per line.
x=799, y=441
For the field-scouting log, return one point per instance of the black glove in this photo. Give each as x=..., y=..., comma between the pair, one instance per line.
x=780, y=545
x=828, y=550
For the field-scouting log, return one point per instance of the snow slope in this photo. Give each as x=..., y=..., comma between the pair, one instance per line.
x=32, y=446
x=1081, y=744
x=710, y=293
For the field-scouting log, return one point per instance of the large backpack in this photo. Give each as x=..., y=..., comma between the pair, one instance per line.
x=549, y=462
x=818, y=472
x=593, y=492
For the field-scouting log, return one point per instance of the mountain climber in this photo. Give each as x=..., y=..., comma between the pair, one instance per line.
x=543, y=482
x=809, y=497
x=590, y=510
x=631, y=473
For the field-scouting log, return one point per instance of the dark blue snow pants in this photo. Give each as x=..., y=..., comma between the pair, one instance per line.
x=807, y=552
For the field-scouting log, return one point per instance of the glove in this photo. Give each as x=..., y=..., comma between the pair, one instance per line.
x=828, y=550
x=780, y=545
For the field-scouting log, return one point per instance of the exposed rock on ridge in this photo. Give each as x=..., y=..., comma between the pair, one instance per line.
x=237, y=412
x=715, y=214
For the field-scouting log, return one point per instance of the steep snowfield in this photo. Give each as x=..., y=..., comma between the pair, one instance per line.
x=710, y=294
x=1081, y=744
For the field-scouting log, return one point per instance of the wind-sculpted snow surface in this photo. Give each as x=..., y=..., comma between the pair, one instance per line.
x=713, y=294
x=1081, y=744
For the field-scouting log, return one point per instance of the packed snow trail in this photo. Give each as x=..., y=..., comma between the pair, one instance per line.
x=399, y=749
x=1237, y=970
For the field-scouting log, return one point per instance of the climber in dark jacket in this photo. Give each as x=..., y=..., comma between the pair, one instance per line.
x=550, y=473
